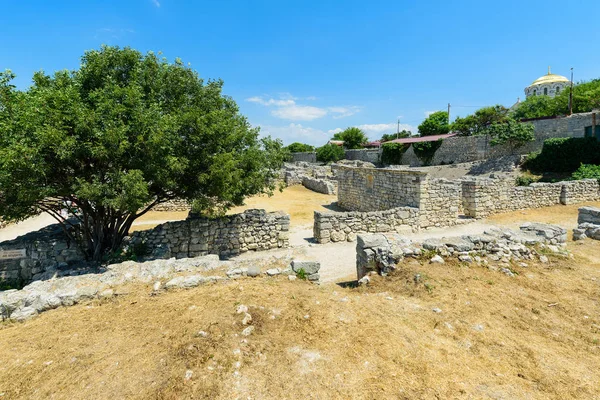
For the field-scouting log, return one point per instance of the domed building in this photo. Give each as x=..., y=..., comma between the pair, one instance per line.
x=547, y=85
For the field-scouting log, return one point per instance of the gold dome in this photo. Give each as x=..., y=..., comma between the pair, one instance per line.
x=550, y=78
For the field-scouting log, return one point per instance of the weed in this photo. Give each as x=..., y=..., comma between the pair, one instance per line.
x=301, y=274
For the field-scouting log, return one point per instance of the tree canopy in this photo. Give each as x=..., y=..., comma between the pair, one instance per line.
x=297, y=147
x=586, y=97
x=330, y=153
x=512, y=133
x=353, y=138
x=119, y=135
x=435, y=124
x=386, y=137
x=480, y=121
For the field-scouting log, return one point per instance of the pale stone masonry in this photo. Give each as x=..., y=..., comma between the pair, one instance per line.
x=225, y=236
x=381, y=253
x=588, y=224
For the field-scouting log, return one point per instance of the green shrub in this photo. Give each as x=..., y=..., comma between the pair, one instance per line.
x=392, y=153
x=524, y=180
x=586, y=171
x=564, y=155
x=426, y=150
x=299, y=148
x=330, y=153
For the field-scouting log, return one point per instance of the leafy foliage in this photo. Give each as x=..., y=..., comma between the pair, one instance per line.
x=586, y=97
x=564, y=155
x=119, y=135
x=512, y=133
x=330, y=153
x=480, y=121
x=392, y=153
x=353, y=138
x=386, y=137
x=435, y=124
x=587, y=171
x=300, y=148
x=425, y=151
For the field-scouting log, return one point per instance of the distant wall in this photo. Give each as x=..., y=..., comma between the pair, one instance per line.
x=310, y=157
x=570, y=126
x=368, y=155
x=172, y=206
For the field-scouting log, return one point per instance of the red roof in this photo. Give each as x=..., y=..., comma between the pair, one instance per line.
x=418, y=139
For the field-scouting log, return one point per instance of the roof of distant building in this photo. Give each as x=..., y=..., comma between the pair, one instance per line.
x=418, y=139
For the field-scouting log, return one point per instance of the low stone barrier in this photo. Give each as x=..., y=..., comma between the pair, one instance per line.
x=344, y=226
x=574, y=192
x=102, y=283
x=226, y=236
x=381, y=253
x=319, y=185
x=172, y=206
x=588, y=224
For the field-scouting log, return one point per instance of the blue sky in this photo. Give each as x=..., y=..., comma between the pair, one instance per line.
x=304, y=69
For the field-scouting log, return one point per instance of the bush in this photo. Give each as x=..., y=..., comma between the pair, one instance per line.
x=586, y=171
x=299, y=148
x=564, y=155
x=524, y=180
x=330, y=153
x=426, y=150
x=392, y=153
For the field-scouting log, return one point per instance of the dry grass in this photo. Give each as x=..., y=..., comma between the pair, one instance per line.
x=536, y=335
x=296, y=200
x=565, y=216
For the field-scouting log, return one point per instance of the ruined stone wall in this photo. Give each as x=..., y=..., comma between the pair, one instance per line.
x=31, y=254
x=319, y=185
x=574, y=192
x=226, y=236
x=344, y=226
x=486, y=196
x=172, y=206
x=377, y=189
x=367, y=155
x=440, y=201
x=310, y=157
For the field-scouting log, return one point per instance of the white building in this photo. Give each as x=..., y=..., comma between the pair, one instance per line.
x=547, y=85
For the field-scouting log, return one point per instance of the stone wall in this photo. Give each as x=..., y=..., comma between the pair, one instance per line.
x=588, y=224
x=319, y=185
x=310, y=157
x=367, y=155
x=380, y=254
x=344, y=226
x=569, y=126
x=226, y=236
x=172, y=206
x=31, y=254
x=376, y=189
x=440, y=201
x=486, y=196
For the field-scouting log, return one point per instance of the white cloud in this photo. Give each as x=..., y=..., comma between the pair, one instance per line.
x=334, y=131
x=299, y=113
x=296, y=133
x=156, y=3
x=286, y=107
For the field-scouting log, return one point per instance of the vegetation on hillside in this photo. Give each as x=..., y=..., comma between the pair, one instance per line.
x=479, y=122
x=435, y=124
x=297, y=147
x=386, y=137
x=119, y=135
x=354, y=138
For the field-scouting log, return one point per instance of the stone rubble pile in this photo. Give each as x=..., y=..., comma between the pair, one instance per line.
x=588, y=224
x=55, y=291
x=381, y=253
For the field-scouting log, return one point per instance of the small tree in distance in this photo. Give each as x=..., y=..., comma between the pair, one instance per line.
x=297, y=147
x=120, y=135
x=512, y=133
x=386, y=137
x=353, y=138
x=435, y=124
x=330, y=153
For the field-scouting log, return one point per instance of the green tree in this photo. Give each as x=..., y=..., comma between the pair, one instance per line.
x=478, y=123
x=435, y=124
x=330, y=153
x=353, y=138
x=386, y=137
x=120, y=135
x=512, y=133
x=299, y=148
